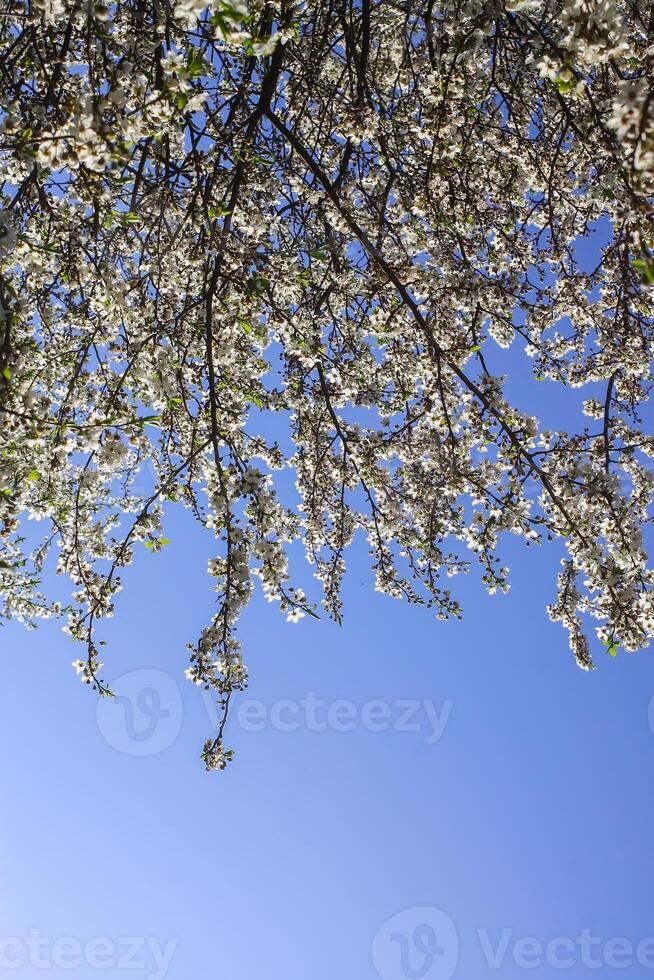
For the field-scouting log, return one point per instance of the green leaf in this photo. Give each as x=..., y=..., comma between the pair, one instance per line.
x=33, y=475
x=156, y=544
x=260, y=285
x=218, y=211
x=646, y=270
x=565, y=85
x=196, y=64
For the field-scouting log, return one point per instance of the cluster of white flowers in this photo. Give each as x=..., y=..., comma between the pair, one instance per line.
x=215, y=756
x=213, y=212
x=632, y=120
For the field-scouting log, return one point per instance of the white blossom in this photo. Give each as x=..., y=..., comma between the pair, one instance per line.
x=234, y=241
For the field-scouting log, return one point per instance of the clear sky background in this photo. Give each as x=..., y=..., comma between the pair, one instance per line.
x=507, y=832
x=531, y=812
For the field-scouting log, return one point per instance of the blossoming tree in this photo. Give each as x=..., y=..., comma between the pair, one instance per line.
x=343, y=212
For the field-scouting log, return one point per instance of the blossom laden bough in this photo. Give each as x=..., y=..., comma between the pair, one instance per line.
x=353, y=216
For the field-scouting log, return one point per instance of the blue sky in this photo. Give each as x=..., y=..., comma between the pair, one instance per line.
x=513, y=814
